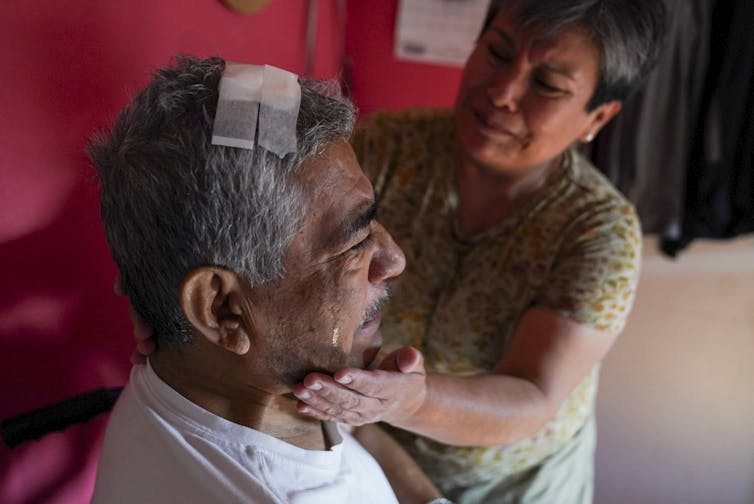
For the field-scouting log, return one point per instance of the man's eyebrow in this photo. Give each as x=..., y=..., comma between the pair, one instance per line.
x=361, y=220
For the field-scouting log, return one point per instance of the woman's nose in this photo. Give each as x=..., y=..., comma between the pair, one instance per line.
x=388, y=260
x=505, y=89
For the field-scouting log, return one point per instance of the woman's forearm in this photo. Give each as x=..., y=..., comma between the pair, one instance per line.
x=479, y=410
x=545, y=360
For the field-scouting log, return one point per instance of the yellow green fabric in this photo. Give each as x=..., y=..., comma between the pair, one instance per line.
x=574, y=248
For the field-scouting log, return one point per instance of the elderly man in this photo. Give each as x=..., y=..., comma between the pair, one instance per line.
x=255, y=264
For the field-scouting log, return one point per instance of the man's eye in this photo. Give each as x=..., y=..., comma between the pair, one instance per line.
x=362, y=244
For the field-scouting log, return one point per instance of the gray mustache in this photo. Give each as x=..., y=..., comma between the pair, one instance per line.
x=375, y=307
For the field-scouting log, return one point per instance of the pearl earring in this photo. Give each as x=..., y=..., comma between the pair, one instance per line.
x=589, y=137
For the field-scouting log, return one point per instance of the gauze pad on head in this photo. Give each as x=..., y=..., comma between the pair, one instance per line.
x=238, y=106
x=278, y=112
x=257, y=104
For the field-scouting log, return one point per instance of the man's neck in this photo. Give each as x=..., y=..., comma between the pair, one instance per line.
x=215, y=387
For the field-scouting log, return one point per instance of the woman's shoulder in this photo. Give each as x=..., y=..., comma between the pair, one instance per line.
x=400, y=151
x=416, y=121
x=596, y=266
x=590, y=189
x=593, y=215
x=589, y=179
x=411, y=141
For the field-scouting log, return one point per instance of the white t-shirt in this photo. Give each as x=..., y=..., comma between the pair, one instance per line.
x=162, y=448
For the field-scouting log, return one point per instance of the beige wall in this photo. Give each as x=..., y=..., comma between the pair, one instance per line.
x=676, y=406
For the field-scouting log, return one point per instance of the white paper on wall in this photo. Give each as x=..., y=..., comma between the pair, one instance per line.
x=438, y=31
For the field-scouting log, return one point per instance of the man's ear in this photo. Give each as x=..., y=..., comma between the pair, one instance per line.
x=212, y=300
x=598, y=118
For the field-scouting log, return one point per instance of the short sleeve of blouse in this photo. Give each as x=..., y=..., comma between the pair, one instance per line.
x=594, y=280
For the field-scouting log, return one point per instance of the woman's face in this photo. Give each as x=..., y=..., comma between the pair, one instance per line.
x=522, y=102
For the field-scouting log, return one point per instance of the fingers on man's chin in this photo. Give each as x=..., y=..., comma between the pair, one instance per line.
x=307, y=410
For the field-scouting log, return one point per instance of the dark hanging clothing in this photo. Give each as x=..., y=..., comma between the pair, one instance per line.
x=682, y=148
x=719, y=199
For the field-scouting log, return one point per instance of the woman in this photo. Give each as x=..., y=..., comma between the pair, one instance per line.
x=522, y=259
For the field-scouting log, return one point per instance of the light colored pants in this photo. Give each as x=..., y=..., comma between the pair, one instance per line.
x=566, y=477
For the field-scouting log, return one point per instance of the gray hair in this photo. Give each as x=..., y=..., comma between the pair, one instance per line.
x=627, y=33
x=172, y=202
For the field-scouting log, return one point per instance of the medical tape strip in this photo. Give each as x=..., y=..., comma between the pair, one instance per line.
x=238, y=106
x=278, y=112
x=251, y=92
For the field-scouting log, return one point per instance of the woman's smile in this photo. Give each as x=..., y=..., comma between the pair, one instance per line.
x=493, y=125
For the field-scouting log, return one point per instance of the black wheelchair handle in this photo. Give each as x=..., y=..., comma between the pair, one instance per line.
x=58, y=416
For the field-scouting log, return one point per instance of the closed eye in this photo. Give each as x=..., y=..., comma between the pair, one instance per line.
x=497, y=55
x=362, y=244
x=549, y=88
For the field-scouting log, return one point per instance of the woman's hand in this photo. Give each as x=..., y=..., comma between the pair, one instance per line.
x=145, y=344
x=391, y=393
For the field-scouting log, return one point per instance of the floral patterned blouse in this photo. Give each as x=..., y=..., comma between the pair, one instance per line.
x=573, y=248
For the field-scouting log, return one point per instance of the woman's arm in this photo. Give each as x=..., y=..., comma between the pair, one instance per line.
x=548, y=357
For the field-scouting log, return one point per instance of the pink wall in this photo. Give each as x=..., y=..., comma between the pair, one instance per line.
x=378, y=80
x=68, y=67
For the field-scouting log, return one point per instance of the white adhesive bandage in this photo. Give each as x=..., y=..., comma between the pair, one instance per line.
x=278, y=112
x=238, y=106
x=257, y=104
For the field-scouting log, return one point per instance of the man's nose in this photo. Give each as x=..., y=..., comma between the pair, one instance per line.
x=388, y=260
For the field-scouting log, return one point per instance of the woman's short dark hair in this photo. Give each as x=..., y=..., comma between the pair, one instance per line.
x=627, y=33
